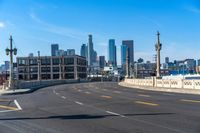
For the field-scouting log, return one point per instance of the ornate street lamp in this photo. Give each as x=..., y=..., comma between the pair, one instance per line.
x=10, y=52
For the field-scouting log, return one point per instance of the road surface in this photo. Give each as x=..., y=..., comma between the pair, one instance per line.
x=99, y=108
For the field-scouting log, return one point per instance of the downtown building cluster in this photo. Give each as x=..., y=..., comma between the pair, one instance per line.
x=98, y=64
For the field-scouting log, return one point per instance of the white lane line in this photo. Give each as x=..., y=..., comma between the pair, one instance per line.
x=118, y=92
x=63, y=97
x=54, y=91
x=87, y=92
x=113, y=113
x=104, y=89
x=78, y=103
x=79, y=90
x=17, y=104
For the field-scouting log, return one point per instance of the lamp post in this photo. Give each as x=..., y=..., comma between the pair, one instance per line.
x=158, y=47
x=10, y=52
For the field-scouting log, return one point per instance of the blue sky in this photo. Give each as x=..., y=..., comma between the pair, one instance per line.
x=35, y=24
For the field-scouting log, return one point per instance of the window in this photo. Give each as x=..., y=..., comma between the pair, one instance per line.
x=22, y=62
x=45, y=61
x=33, y=69
x=56, y=69
x=69, y=69
x=56, y=61
x=46, y=69
x=69, y=61
x=33, y=61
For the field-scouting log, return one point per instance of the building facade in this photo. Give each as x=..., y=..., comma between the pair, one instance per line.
x=71, y=52
x=129, y=44
x=101, y=61
x=112, y=57
x=123, y=54
x=54, y=48
x=51, y=67
x=84, y=50
x=92, y=54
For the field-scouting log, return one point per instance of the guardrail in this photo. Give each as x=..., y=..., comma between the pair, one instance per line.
x=165, y=83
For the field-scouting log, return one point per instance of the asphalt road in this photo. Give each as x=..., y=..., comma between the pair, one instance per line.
x=99, y=108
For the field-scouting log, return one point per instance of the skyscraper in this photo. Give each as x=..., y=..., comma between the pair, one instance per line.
x=92, y=55
x=54, y=48
x=84, y=50
x=123, y=54
x=101, y=61
x=90, y=50
x=112, y=57
x=129, y=44
x=166, y=59
x=71, y=52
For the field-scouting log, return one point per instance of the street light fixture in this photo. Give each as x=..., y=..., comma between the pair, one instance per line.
x=10, y=52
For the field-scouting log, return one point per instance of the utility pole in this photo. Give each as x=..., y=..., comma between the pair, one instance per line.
x=10, y=52
x=39, y=64
x=158, y=47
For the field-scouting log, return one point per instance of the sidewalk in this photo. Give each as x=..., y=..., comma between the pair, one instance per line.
x=174, y=90
x=15, y=92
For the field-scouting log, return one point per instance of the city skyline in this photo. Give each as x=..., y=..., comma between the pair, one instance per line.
x=138, y=20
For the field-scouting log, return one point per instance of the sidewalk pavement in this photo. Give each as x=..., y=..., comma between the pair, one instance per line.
x=173, y=90
x=16, y=91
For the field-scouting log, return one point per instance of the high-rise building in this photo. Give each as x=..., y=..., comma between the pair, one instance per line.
x=84, y=50
x=60, y=52
x=90, y=50
x=71, y=52
x=129, y=44
x=198, y=62
x=54, y=48
x=101, y=61
x=166, y=59
x=112, y=57
x=123, y=54
x=92, y=55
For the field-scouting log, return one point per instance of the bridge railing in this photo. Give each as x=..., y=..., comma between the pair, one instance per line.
x=165, y=83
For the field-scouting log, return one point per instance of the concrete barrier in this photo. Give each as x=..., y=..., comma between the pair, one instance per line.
x=165, y=83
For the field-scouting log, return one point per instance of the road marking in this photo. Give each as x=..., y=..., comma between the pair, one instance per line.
x=113, y=113
x=79, y=103
x=104, y=89
x=87, y=92
x=168, y=94
x=142, y=95
x=108, y=97
x=146, y=103
x=63, y=97
x=189, y=100
x=17, y=104
x=118, y=92
x=79, y=90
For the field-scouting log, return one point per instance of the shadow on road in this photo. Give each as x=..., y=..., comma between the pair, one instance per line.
x=80, y=117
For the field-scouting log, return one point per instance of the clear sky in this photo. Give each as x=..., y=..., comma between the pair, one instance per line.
x=35, y=24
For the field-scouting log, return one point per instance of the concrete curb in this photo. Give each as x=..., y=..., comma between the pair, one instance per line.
x=173, y=90
x=30, y=90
